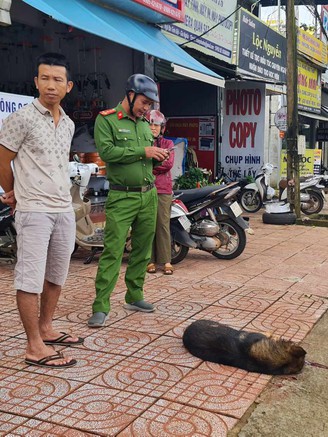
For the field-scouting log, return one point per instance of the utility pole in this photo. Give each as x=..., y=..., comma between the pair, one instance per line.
x=293, y=187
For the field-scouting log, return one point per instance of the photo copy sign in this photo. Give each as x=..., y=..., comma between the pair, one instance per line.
x=243, y=128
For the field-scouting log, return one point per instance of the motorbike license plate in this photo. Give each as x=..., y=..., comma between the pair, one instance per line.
x=185, y=222
x=235, y=208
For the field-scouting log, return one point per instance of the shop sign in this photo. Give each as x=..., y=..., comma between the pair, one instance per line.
x=280, y=119
x=170, y=8
x=243, y=128
x=262, y=51
x=324, y=23
x=311, y=46
x=322, y=134
x=11, y=102
x=200, y=16
x=309, y=163
x=309, y=87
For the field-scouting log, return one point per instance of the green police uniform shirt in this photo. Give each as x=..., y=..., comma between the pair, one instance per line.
x=121, y=144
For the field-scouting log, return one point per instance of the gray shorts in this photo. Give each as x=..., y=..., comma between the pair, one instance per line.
x=45, y=243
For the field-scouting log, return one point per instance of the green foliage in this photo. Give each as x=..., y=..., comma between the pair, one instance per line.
x=190, y=179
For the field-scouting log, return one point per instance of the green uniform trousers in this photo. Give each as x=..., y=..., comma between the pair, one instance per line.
x=125, y=210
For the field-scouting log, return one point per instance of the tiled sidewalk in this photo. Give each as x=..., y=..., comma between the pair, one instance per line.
x=134, y=377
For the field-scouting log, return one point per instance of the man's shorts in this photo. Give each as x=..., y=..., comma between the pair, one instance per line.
x=45, y=243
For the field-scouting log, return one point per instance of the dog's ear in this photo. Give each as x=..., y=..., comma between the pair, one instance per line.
x=297, y=351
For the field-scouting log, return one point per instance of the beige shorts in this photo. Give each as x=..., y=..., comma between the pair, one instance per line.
x=45, y=243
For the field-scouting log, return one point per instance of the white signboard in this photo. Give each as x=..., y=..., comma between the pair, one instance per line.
x=243, y=128
x=280, y=119
x=10, y=103
x=208, y=27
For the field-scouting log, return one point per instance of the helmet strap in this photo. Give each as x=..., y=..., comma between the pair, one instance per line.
x=131, y=102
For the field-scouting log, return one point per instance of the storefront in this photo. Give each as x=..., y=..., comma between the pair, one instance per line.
x=104, y=48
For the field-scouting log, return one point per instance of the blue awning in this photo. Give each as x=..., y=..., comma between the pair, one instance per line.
x=90, y=17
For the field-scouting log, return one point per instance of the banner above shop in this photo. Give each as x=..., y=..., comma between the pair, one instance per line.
x=121, y=29
x=261, y=50
x=150, y=11
x=208, y=28
x=309, y=87
x=312, y=47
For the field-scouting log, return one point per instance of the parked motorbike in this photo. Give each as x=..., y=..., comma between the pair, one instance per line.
x=207, y=219
x=7, y=235
x=88, y=235
x=260, y=193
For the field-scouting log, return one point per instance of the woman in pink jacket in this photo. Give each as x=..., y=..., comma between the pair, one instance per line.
x=161, y=253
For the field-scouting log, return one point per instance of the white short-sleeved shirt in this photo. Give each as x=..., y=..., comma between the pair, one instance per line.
x=41, y=180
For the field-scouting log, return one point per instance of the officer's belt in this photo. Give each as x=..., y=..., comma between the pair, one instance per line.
x=142, y=189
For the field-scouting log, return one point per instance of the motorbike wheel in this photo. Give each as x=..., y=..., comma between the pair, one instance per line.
x=316, y=204
x=249, y=202
x=178, y=252
x=234, y=240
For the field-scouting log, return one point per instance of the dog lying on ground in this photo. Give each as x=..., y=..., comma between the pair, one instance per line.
x=212, y=341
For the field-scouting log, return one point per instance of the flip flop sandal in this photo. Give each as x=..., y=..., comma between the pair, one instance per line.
x=151, y=268
x=43, y=362
x=60, y=341
x=168, y=270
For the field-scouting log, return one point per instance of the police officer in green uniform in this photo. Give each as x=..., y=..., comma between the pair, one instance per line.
x=125, y=142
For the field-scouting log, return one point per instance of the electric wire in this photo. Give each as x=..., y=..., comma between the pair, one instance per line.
x=211, y=28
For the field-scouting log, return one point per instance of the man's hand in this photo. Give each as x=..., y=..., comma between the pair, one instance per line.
x=9, y=199
x=156, y=153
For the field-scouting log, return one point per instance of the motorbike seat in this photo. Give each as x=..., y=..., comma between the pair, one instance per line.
x=194, y=194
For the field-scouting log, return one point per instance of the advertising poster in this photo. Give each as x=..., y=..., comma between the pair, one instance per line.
x=309, y=163
x=243, y=128
x=10, y=103
x=200, y=133
x=200, y=16
x=261, y=50
x=309, y=87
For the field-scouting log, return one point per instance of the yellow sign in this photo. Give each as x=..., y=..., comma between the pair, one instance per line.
x=309, y=163
x=309, y=87
x=311, y=46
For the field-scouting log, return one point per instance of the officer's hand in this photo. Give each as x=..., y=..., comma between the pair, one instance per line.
x=156, y=153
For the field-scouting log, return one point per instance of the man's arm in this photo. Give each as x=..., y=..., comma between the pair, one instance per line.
x=7, y=176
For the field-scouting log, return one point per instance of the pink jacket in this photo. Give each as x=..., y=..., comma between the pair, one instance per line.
x=162, y=172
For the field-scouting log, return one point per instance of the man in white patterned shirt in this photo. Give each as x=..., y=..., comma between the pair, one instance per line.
x=37, y=140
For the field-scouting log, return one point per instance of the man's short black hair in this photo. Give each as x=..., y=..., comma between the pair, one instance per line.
x=54, y=59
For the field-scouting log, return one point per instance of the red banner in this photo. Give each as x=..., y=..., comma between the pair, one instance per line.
x=170, y=8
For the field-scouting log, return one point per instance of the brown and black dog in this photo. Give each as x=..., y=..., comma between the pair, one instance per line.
x=212, y=341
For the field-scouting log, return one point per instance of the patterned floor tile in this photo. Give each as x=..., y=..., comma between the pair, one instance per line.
x=145, y=377
x=8, y=422
x=100, y=409
x=81, y=314
x=280, y=325
x=251, y=298
x=27, y=393
x=37, y=428
x=178, y=308
x=12, y=353
x=8, y=301
x=228, y=316
x=169, y=419
x=7, y=286
x=152, y=323
x=299, y=307
x=272, y=283
x=168, y=350
x=205, y=292
x=10, y=323
x=118, y=341
x=228, y=390
x=90, y=364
